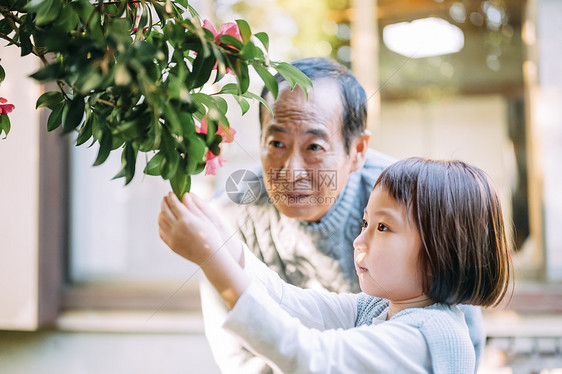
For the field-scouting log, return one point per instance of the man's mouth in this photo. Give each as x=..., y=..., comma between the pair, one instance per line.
x=295, y=194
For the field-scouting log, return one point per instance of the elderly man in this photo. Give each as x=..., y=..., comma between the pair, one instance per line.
x=317, y=174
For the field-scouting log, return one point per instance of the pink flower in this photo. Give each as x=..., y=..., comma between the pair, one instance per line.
x=227, y=133
x=212, y=161
x=228, y=28
x=5, y=108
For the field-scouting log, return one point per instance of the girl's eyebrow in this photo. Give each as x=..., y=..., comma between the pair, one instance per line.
x=388, y=212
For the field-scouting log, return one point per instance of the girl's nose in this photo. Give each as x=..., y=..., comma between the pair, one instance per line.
x=359, y=243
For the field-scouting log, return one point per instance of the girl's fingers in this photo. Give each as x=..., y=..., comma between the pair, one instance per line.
x=165, y=210
x=163, y=221
x=190, y=201
x=198, y=202
x=164, y=238
x=174, y=205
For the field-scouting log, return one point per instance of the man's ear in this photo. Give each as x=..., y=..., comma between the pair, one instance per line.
x=358, y=150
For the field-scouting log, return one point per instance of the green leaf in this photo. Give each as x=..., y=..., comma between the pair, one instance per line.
x=49, y=99
x=214, y=145
x=172, y=119
x=187, y=123
x=243, y=103
x=55, y=118
x=183, y=3
x=268, y=79
x=201, y=72
x=196, y=148
x=85, y=132
x=243, y=77
x=128, y=163
x=245, y=31
x=171, y=156
x=181, y=183
x=212, y=128
x=221, y=104
x=54, y=40
x=68, y=19
x=4, y=125
x=293, y=75
x=230, y=88
x=230, y=40
x=47, y=10
x=5, y=27
x=2, y=74
x=217, y=107
x=153, y=166
x=25, y=41
x=251, y=95
x=105, y=147
x=73, y=114
x=263, y=38
x=88, y=80
x=34, y=6
x=83, y=8
x=48, y=73
x=249, y=51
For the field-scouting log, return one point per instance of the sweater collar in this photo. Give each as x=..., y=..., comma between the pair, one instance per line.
x=337, y=215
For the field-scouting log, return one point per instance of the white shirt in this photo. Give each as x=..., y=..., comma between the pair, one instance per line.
x=308, y=331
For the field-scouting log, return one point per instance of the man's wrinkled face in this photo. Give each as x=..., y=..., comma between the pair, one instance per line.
x=305, y=164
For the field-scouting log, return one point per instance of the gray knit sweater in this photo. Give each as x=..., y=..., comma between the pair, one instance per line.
x=442, y=326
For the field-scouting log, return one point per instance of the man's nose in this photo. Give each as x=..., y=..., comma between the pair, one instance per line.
x=294, y=167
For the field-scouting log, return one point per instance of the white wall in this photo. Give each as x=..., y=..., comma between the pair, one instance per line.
x=546, y=117
x=19, y=191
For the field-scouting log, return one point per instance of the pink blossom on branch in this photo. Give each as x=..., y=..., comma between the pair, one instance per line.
x=5, y=108
x=212, y=161
x=227, y=28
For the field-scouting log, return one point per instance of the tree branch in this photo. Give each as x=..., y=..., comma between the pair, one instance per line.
x=8, y=14
x=6, y=37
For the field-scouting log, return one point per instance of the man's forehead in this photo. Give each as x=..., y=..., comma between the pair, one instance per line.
x=305, y=129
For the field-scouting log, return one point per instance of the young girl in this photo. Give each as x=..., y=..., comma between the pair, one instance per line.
x=433, y=237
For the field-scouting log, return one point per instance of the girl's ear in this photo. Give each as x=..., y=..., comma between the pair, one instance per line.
x=358, y=151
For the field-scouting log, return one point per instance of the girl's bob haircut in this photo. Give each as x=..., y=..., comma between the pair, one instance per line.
x=465, y=257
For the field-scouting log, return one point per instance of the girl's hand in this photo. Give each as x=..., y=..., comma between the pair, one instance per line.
x=188, y=231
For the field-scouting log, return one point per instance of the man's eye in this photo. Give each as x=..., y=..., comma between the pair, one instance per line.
x=276, y=144
x=315, y=147
x=382, y=227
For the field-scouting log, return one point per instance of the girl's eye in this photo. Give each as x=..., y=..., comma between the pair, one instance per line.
x=382, y=227
x=315, y=147
x=364, y=224
x=276, y=144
